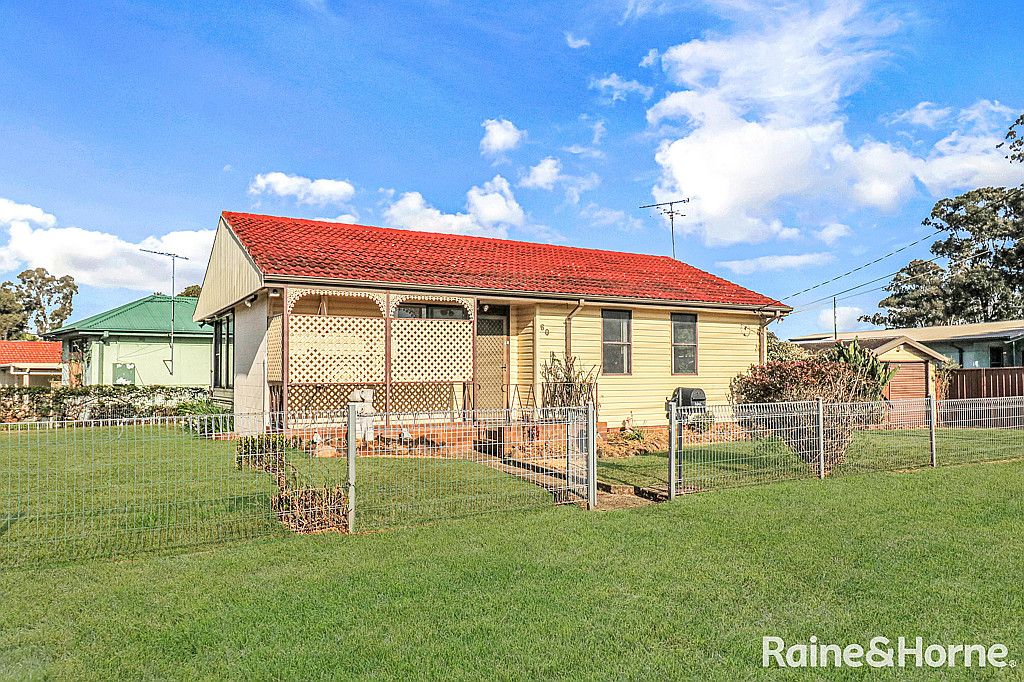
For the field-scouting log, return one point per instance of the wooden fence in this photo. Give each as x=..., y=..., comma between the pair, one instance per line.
x=986, y=383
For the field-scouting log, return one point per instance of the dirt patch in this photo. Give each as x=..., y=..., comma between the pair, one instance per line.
x=631, y=443
x=615, y=501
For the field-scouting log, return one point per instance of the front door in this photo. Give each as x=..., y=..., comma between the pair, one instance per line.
x=491, y=360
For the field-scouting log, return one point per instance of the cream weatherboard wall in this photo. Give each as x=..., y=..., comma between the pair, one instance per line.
x=230, y=275
x=727, y=344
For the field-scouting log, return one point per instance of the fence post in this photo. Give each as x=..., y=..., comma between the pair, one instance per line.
x=353, y=412
x=673, y=445
x=591, y=456
x=931, y=427
x=821, y=437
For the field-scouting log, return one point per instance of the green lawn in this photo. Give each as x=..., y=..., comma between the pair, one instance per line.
x=746, y=463
x=680, y=590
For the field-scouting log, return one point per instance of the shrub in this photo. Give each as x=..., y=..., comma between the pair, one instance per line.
x=265, y=452
x=564, y=384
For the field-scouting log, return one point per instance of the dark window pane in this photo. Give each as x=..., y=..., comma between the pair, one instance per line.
x=409, y=311
x=446, y=312
x=684, y=359
x=615, y=325
x=616, y=359
x=684, y=328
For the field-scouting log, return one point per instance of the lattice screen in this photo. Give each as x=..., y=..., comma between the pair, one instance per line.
x=466, y=303
x=295, y=293
x=325, y=349
x=330, y=397
x=431, y=350
x=274, y=354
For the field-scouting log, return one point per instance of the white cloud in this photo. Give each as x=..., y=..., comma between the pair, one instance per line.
x=845, y=318
x=600, y=216
x=12, y=212
x=749, y=266
x=583, y=150
x=490, y=211
x=747, y=140
x=500, y=135
x=833, y=232
x=598, y=130
x=548, y=173
x=617, y=88
x=95, y=258
x=349, y=218
x=544, y=175
x=650, y=59
x=319, y=192
x=493, y=204
x=925, y=114
x=574, y=42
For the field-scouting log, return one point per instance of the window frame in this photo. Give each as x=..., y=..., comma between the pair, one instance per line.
x=673, y=344
x=224, y=352
x=1002, y=356
x=628, y=343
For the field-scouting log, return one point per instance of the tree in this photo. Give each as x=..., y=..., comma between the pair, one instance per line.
x=984, y=278
x=1015, y=141
x=48, y=300
x=191, y=291
x=916, y=298
x=13, y=318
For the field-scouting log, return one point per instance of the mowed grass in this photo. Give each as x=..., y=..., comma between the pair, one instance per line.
x=684, y=590
x=731, y=464
x=115, y=490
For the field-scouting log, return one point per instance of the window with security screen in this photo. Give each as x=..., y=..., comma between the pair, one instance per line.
x=616, y=342
x=684, y=343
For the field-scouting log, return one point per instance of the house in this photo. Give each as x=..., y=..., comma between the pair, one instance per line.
x=432, y=321
x=131, y=344
x=29, y=363
x=914, y=362
x=971, y=346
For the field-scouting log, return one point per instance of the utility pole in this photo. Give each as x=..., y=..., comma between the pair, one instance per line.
x=835, y=320
x=174, y=299
x=669, y=208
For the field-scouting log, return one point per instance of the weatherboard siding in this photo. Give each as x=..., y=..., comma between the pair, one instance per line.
x=727, y=345
x=230, y=276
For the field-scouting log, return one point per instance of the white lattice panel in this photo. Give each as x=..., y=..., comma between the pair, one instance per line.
x=431, y=350
x=466, y=303
x=295, y=293
x=274, y=353
x=325, y=349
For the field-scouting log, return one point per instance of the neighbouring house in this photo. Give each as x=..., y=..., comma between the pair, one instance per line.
x=306, y=311
x=915, y=363
x=971, y=346
x=131, y=344
x=29, y=363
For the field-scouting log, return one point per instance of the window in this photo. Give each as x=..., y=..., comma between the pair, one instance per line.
x=430, y=312
x=224, y=352
x=684, y=343
x=995, y=356
x=616, y=342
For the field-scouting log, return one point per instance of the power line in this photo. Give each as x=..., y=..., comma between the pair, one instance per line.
x=866, y=265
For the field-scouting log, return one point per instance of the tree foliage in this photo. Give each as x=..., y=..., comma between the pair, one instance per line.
x=984, y=278
x=784, y=351
x=1015, y=141
x=47, y=299
x=191, y=291
x=13, y=318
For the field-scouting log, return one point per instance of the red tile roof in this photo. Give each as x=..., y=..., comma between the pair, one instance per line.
x=29, y=352
x=293, y=247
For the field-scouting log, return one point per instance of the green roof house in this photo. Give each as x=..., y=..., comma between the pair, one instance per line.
x=131, y=344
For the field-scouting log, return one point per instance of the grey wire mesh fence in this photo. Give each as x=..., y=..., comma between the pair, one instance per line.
x=413, y=468
x=720, y=446
x=115, y=487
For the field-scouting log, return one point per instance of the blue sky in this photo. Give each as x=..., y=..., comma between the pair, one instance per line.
x=810, y=136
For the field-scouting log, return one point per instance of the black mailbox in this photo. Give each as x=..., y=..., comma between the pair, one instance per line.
x=689, y=397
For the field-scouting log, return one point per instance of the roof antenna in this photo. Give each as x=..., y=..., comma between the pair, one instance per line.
x=174, y=259
x=669, y=208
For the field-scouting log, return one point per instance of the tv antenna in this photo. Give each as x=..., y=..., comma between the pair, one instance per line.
x=669, y=208
x=174, y=260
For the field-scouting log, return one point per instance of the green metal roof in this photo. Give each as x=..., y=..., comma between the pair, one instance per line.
x=149, y=315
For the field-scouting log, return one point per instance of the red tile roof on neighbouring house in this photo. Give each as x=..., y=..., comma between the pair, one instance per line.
x=293, y=247
x=29, y=352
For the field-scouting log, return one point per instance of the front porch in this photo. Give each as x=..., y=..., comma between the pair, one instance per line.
x=417, y=352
